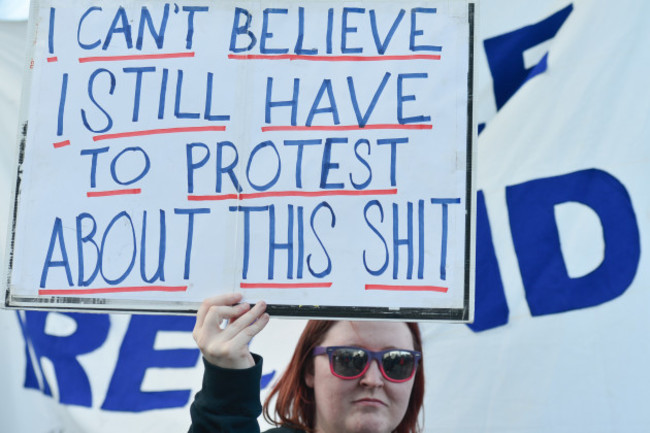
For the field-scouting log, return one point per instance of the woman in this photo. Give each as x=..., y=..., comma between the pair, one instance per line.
x=332, y=384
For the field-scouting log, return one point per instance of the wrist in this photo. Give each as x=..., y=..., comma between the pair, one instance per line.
x=232, y=363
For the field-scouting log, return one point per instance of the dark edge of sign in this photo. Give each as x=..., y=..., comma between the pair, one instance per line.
x=14, y=216
x=415, y=314
x=470, y=167
x=298, y=311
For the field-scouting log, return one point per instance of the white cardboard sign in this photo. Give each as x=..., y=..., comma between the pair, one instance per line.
x=317, y=155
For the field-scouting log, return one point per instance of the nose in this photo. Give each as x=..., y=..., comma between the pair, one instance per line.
x=372, y=377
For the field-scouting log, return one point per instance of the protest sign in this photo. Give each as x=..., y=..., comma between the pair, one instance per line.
x=317, y=155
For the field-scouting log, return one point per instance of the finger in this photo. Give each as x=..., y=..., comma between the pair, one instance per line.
x=214, y=317
x=222, y=299
x=245, y=320
x=256, y=311
x=235, y=318
x=259, y=308
x=253, y=329
x=217, y=314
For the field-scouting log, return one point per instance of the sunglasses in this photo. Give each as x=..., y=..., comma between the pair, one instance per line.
x=347, y=362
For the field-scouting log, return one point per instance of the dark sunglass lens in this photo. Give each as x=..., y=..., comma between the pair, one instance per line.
x=349, y=362
x=398, y=364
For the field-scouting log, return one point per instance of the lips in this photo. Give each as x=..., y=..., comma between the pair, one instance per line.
x=372, y=402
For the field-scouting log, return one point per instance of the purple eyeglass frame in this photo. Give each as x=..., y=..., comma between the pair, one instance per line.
x=372, y=355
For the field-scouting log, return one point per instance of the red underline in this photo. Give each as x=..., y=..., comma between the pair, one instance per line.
x=283, y=285
x=332, y=58
x=404, y=288
x=52, y=59
x=114, y=192
x=337, y=192
x=136, y=57
x=158, y=131
x=113, y=290
x=345, y=127
x=61, y=144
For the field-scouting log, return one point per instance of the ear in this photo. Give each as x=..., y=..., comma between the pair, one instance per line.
x=309, y=379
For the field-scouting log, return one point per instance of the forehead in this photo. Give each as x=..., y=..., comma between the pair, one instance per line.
x=370, y=335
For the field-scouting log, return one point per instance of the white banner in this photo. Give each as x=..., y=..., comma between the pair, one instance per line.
x=559, y=340
x=196, y=152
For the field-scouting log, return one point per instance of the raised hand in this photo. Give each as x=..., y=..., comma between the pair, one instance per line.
x=227, y=347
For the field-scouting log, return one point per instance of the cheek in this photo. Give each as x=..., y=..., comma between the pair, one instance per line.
x=400, y=394
x=331, y=386
x=332, y=394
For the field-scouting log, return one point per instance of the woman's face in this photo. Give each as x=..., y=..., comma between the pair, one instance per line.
x=367, y=404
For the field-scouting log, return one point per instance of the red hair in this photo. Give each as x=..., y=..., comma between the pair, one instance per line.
x=295, y=406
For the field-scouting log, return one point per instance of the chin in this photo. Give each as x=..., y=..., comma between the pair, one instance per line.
x=371, y=425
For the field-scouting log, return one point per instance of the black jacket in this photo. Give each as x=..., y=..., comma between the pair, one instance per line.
x=229, y=401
